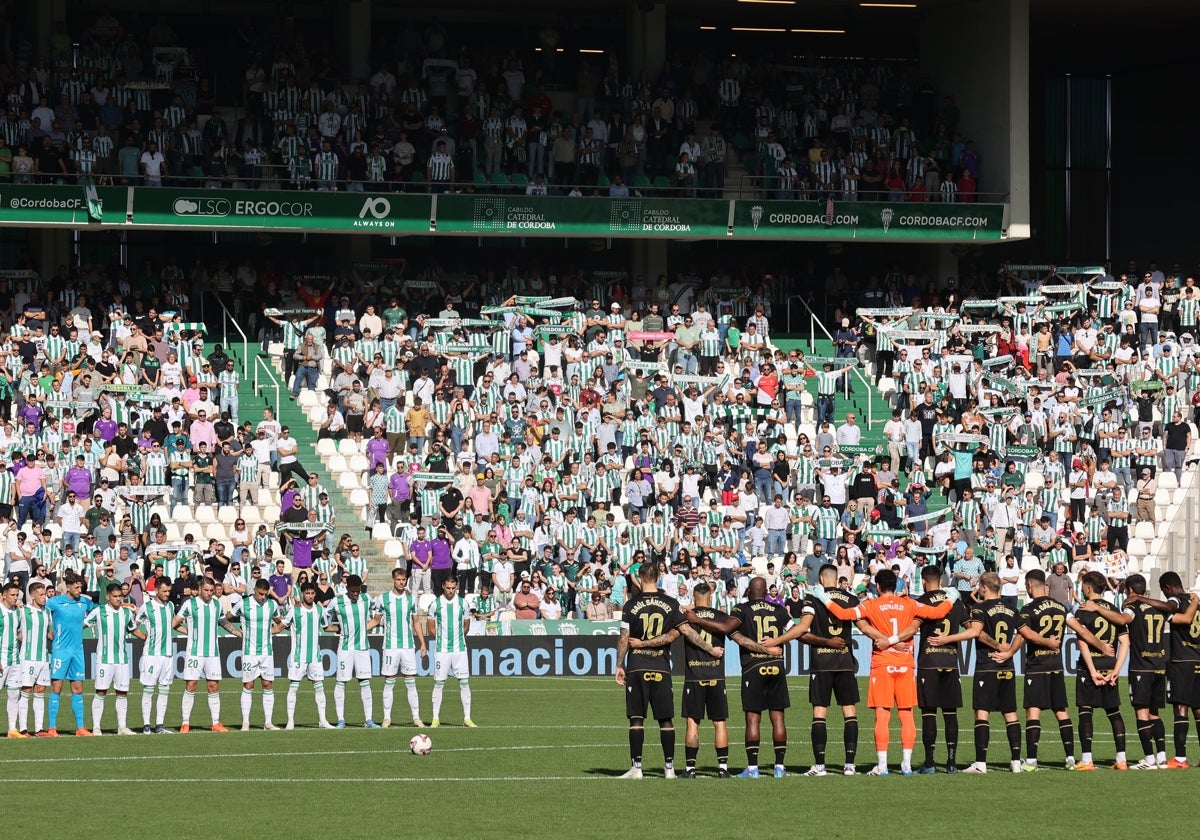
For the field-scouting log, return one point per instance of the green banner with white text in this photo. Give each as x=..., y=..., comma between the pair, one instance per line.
x=352, y=212
x=679, y=218
x=53, y=204
x=872, y=221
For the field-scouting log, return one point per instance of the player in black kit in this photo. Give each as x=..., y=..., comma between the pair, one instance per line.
x=939, y=684
x=645, y=672
x=1096, y=673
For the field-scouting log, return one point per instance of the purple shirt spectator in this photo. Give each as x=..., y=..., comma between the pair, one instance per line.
x=32, y=413
x=286, y=499
x=106, y=428
x=441, y=554
x=79, y=480
x=301, y=555
x=281, y=585
x=421, y=552
x=400, y=487
x=377, y=451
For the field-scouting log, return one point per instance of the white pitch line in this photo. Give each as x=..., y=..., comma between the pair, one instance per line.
x=288, y=754
x=354, y=780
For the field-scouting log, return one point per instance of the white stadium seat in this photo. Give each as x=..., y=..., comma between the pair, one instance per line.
x=1144, y=530
x=326, y=447
x=1166, y=480
x=347, y=447
x=307, y=399
x=381, y=531
x=359, y=497
x=347, y=480
x=205, y=514
x=393, y=549
x=1137, y=547
x=227, y=514
x=337, y=463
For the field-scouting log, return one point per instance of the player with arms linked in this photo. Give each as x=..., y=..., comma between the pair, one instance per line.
x=939, y=683
x=1096, y=673
x=653, y=619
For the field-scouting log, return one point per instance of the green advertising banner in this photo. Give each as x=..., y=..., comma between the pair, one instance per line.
x=351, y=212
x=559, y=216
x=58, y=205
x=549, y=627
x=874, y=221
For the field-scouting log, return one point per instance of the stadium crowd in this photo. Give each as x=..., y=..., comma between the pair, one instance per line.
x=142, y=104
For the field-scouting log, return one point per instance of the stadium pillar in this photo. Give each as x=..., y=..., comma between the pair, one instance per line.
x=646, y=27
x=648, y=258
x=353, y=27
x=46, y=13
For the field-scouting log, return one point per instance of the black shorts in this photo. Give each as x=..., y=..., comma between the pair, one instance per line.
x=354, y=423
x=705, y=699
x=995, y=691
x=939, y=688
x=1087, y=693
x=1045, y=691
x=824, y=686
x=764, y=687
x=1183, y=684
x=649, y=690
x=1148, y=690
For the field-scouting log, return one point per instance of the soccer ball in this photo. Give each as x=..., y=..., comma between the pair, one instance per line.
x=420, y=744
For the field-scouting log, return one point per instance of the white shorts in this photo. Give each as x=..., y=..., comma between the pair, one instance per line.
x=157, y=670
x=35, y=673
x=447, y=665
x=112, y=676
x=201, y=667
x=398, y=660
x=352, y=664
x=314, y=671
x=12, y=677
x=258, y=667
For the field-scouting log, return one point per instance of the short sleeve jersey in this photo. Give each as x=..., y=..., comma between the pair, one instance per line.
x=1001, y=623
x=646, y=615
x=699, y=663
x=943, y=657
x=825, y=625
x=1047, y=618
x=1185, y=640
x=761, y=621
x=1108, y=633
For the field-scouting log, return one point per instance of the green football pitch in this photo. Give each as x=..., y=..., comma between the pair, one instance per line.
x=544, y=762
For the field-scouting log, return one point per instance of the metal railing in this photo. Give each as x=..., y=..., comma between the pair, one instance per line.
x=227, y=319
x=259, y=362
x=767, y=187
x=813, y=323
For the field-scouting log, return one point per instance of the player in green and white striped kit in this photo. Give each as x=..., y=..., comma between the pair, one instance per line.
x=306, y=621
x=402, y=634
x=113, y=621
x=154, y=622
x=259, y=618
x=202, y=615
x=350, y=616
x=451, y=621
x=35, y=657
x=10, y=653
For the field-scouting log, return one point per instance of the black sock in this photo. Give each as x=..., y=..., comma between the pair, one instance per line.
x=1146, y=736
x=637, y=737
x=929, y=734
x=1033, y=736
x=1181, y=733
x=1014, y=739
x=850, y=738
x=983, y=733
x=666, y=735
x=1118, y=728
x=780, y=752
x=752, y=753
x=950, y=720
x=689, y=756
x=1197, y=715
x=723, y=756
x=1158, y=731
x=1085, y=728
x=1066, y=731
x=820, y=739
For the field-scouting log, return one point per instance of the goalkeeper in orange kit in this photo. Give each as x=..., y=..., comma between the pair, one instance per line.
x=893, y=669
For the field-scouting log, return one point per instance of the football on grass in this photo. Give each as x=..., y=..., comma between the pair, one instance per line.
x=420, y=744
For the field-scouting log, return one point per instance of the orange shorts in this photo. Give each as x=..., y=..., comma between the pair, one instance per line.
x=892, y=685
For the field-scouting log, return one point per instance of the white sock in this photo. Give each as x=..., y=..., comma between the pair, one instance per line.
x=906, y=759
x=247, y=701
x=214, y=707
x=464, y=693
x=1087, y=757
x=164, y=696
x=319, y=696
x=189, y=697
x=368, y=700
x=147, y=705
x=1162, y=757
x=122, y=704
x=39, y=711
x=23, y=712
x=97, y=711
x=14, y=701
x=437, y=699
x=389, y=689
x=414, y=705
x=881, y=759
x=292, y=695
x=339, y=699
x=268, y=699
